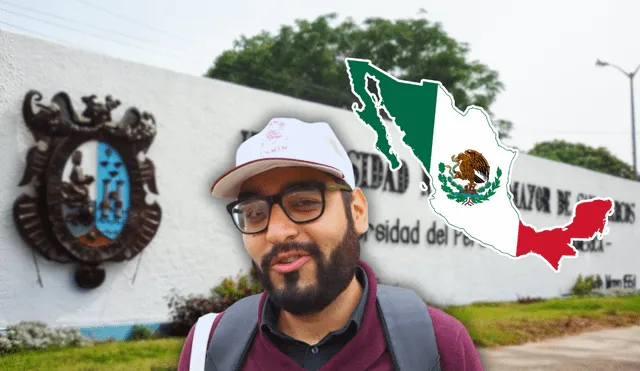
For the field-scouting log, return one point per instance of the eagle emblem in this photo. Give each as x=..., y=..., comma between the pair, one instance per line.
x=470, y=166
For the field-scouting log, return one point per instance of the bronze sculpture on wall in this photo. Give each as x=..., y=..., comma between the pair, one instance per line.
x=89, y=174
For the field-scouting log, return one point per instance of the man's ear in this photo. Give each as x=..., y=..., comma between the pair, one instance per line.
x=359, y=211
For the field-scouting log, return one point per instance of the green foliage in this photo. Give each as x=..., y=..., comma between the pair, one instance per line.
x=584, y=287
x=185, y=310
x=230, y=291
x=499, y=324
x=489, y=324
x=597, y=159
x=504, y=129
x=139, y=332
x=307, y=60
x=145, y=355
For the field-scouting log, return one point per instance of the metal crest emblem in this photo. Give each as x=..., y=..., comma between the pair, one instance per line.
x=89, y=175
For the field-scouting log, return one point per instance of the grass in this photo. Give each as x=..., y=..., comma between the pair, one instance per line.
x=148, y=355
x=489, y=324
x=497, y=324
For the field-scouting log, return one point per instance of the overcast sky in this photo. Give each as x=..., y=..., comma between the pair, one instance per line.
x=545, y=51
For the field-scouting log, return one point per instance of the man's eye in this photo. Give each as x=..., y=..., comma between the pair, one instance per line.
x=255, y=214
x=306, y=203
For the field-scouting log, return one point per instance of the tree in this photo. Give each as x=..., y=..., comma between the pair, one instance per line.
x=307, y=61
x=597, y=159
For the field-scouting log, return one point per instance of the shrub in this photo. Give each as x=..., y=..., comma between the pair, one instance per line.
x=36, y=335
x=529, y=300
x=185, y=310
x=229, y=291
x=584, y=287
x=139, y=332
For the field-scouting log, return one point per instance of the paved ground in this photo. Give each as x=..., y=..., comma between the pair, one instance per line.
x=614, y=349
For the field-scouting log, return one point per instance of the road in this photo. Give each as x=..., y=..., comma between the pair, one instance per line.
x=613, y=349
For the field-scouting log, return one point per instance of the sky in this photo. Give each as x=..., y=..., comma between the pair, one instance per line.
x=544, y=51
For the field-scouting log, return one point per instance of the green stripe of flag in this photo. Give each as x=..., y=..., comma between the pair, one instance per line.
x=414, y=106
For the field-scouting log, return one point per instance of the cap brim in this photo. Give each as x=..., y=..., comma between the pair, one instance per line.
x=228, y=185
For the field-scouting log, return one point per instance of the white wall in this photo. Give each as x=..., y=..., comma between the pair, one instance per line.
x=199, y=123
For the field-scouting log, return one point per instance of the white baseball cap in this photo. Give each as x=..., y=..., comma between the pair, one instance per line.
x=286, y=142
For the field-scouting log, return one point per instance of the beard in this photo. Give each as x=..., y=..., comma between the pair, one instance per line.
x=332, y=278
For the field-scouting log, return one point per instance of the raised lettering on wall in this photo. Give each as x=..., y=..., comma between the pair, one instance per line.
x=531, y=197
x=371, y=172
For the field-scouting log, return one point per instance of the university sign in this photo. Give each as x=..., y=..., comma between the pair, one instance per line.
x=373, y=173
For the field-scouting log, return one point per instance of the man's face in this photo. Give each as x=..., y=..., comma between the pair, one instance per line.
x=330, y=244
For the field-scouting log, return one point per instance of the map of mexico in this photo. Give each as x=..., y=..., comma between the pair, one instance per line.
x=468, y=167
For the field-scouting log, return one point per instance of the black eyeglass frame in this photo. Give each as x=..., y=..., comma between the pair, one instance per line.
x=277, y=199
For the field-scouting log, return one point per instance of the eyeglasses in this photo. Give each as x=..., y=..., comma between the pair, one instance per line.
x=302, y=203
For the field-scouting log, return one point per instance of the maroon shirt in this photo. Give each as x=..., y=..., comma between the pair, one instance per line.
x=367, y=350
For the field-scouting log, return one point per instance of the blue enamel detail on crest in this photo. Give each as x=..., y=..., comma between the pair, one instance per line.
x=112, y=191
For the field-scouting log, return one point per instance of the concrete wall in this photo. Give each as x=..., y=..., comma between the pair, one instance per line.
x=200, y=123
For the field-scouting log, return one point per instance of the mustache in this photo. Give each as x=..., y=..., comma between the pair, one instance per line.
x=309, y=248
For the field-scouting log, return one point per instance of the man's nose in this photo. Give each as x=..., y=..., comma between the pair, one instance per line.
x=280, y=229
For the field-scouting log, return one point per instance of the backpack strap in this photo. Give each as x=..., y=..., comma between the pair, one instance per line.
x=200, y=339
x=408, y=328
x=233, y=335
x=406, y=321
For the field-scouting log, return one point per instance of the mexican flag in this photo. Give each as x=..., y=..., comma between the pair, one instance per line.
x=469, y=167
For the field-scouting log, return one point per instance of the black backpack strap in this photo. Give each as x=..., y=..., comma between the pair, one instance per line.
x=408, y=328
x=233, y=336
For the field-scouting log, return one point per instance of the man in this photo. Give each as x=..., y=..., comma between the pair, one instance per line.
x=300, y=216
